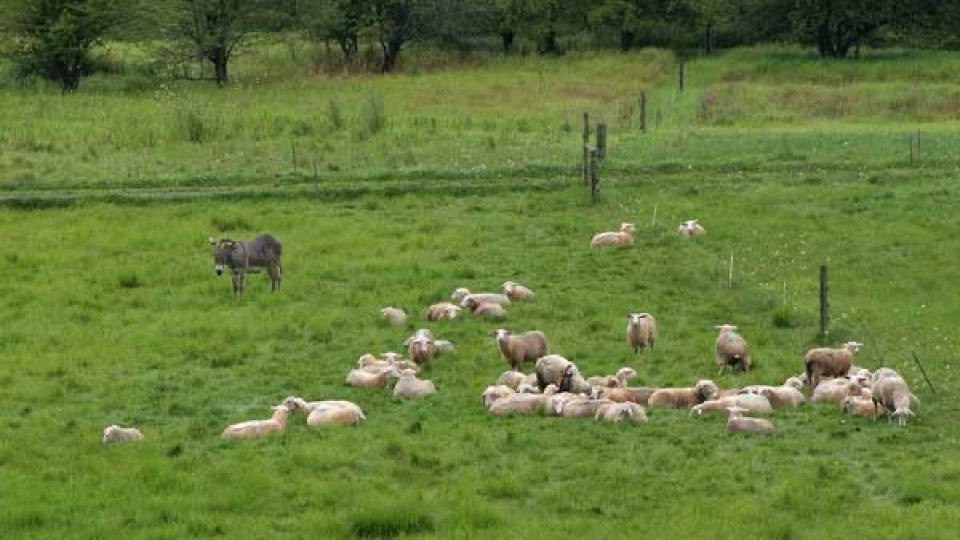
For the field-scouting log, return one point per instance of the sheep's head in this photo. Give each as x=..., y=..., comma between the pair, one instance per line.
x=509, y=287
x=403, y=374
x=501, y=335
x=853, y=346
x=723, y=328
x=556, y=404
x=294, y=404
x=794, y=382
x=550, y=390
x=109, y=431
x=452, y=312
x=366, y=360
x=900, y=415
x=459, y=294
x=706, y=389
x=624, y=374
x=627, y=227
x=635, y=318
x=469, y=302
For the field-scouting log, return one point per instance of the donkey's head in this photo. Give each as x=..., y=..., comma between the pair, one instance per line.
x=221, y=253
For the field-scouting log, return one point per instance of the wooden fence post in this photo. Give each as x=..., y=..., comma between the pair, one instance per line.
x=601, y=141
x=316, y=180
x=824, y=302
x=293, y=154
x=586, y=149
x=594, y=168
x=682, y=74
x=643, y=112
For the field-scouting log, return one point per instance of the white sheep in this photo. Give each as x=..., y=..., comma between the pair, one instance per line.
x=516, y=349
x=732, y=349
x=617, y=380
x=823, y=362
x=623, y=237
x=115, y=433
x=445, y=347
x=410, y=387
x=859, y=406
x=683, y=398
x=577, y=406
x=493, y=393
x=895, y=397
x=516, y=292
x=555, y=369
x=327, y=412
x=691, y=228
x=836, y=390
x=737, y=423
x=486, y=310
x=422, y=346
x=511, y=378
x=443, y=311
x=522, y=403
x=641, y=331
x=254, y=428
x=462, y=293
x=752, y=403
x=361, y=378
x=396, y=316
x=618, y=412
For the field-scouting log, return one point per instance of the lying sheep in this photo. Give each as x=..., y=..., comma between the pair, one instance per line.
x=522, y=403
x=618, y=380
x=115, y=433
x=894, y=395
x=641, y=394
x=750, y=403
x=511, y=378
x=859, y=407
x=557, y=370
x=486, y=310
x=443, y=311
x=557, y=402
x=396, y=316
x=410, y=387
x=516, y=349
x=254, y=428
x=619, y=412
x=691, y=228
x=365, y=379
x=581, y=407
x=683, y=398
x=781, y=397
x=327, y=412
x=737, y=423
x=794, y=382
x=460, y=295
x=516, y=292
x=830, y=362
x=422, y=347
x=836, y=390
x=641, y=331
x=732, y=349
x=616, y=394
x=493, y=393
x=624, y=237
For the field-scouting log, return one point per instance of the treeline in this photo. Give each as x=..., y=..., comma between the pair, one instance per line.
x=54, y=38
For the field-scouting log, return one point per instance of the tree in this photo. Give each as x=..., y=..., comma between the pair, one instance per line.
x=840, y=25
x=339, y=20
x=710, y=15
x=54, y=37
x=646, y=20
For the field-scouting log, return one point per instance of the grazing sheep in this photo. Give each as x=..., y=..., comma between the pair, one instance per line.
x=829, y=362
x=115, y=433
x=410, y=387
x=361, y=378
x=443, y=311
x=516, y=292
x=624, y=237
x=555, y=369
x=460, y=295
x=894, y=395
x=486, y=310
x=732, y=349
x=493, y=393
x=522, y=403
x=422, y=347
x=254, y=428
x=641, y=331
x=518, y=348
x=618, y=412
x=859, y=406
x=683, y=398
x=618, y=380
x=691, y=228
x=737, y=423
x=752, y=403
x=396, y=316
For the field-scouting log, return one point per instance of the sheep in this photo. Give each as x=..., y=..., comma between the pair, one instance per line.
x=794, y=382
x=365, y=379
x=829, y=362
x=557, y=402
x=691, y=228
x=525, y=388
x=623, y=237
x=835, y=390
x=517, y=293
x=752, y=403
x=882, y=373
x=641, y=331
x=115, y=433
x=618, y=380
x=682, y=398
x=529, y=379
x=254, y=428
x=368, y=360
x=461, y=294
x=445, y=347
x=581, y=407
x=392, y=357
x=327, y=413
x=555, y=369
x=617, y=395
x=422, y=347
x=486, y=310
x=410, y=387
x=515, y=349
x=895, y=397
x=737, y=423
x=493, y=393
x=781, y=397
x=618, y=412
x=511, y=378
x=859, y=406
x=396, y=316
x=732, y=349
x=522, y=403
x=641, y=394
x=443, y=311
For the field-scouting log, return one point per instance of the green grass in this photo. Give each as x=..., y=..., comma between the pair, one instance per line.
x=430, y=180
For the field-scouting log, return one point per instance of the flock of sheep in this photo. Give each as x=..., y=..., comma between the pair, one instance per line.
x=556, y=387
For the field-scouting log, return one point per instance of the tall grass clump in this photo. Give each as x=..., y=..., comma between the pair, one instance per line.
x=335, y=115
x=375, y=117
x=390, y=522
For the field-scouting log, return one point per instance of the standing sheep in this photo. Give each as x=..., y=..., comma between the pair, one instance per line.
x=691, y=228
x=443, y=311
x=624, y=237
x=557, y=370
x=115, y=433
x=516, y=292
x=826, y=362
x=396, y=316
x=683, y=398
x=732, y=349
x=422, y=347
x=641, y=331
x=737, y=423
x=894, y=395
x=516, y=349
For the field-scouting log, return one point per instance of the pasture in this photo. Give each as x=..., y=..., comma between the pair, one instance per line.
x=112, y=312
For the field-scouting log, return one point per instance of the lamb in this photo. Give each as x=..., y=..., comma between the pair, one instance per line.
x=522, y=403
x=518, y=348
x=752, y=403
x=410, y=387
x=516, y=292
x=396, y=316
x=894, y=395
x=829, y=362
x=493, y=393
x=618, y=380
x=115, y=433
x=618, y=412
x=859, y=406
x=732, y=349
x=682, y=398
x=486, y=310
x=443, y=311
x=361, y=378
x=836, y=390
x=641, y=331
x=327, y=413
x=461, y=294
x=422, y=347
x=691, y=228
x=555, y=369
x=254, y=428
x=511, y=378
x=624, y=237
x=737, y=423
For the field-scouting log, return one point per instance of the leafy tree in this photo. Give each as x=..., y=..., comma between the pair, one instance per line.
x=642, y=21
x=840, y=25
x=54, y=37
x=339, y=20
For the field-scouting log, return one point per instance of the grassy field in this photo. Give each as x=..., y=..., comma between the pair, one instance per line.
x=112, y=313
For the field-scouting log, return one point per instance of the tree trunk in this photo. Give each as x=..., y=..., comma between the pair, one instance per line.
x=391, y=51
x=219, y=58
x=549, y=45
x=626, y=39
x=507, y=36
x=710, y=39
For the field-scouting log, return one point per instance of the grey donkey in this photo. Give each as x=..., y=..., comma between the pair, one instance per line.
x=241, y=257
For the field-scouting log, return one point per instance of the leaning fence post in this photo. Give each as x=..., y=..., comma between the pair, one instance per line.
x=601, y=141
x=824, y=302
x=586, y=148
x=594, y=167
x=923, y=371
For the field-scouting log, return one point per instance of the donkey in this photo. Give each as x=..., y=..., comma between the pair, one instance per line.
x=241, y=257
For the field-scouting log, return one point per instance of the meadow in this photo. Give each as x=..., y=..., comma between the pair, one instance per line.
x=112, y=312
